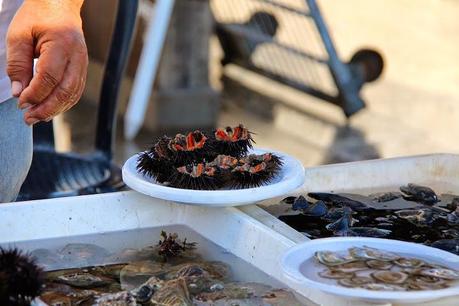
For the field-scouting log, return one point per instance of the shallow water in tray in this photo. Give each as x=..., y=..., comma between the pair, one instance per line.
x=87, y=270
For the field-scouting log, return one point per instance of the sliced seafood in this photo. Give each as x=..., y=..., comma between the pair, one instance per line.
x=351, y=267
x=355, y=282
x=329, y=258
x=371, y=253
x=442, y=273
x=390, y=277
x=336, y=274
x=379, y=264
x=409, y=262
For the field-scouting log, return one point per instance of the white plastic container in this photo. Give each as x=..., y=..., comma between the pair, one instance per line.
x=108, y=220
x=438, y=171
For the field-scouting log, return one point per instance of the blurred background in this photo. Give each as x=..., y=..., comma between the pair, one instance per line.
x=411, y=108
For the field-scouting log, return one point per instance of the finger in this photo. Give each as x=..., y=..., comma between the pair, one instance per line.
x=49, y=72
x=19, y=54
x=65, y=94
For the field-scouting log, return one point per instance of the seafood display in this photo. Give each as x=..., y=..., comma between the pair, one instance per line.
x=374, y=269
x=170, y=273
x=211, y=161
x=415, y=214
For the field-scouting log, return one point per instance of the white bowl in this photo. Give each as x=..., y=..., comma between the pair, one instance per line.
x=300, y=266
x=289, y=178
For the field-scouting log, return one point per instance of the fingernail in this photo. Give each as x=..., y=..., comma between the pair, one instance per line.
x=16, y=88
x=31, y=121
x=24, y=105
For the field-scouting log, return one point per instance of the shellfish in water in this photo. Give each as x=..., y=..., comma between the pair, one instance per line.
x=336, y=274
x=409, y=262
x=379, y=264
x=355, y=281
x=421, y=194
x=332, y=259
x=440, y=273
x=371, y=253
x=390, y=277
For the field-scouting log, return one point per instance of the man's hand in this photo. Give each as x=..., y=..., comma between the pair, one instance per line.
x=51, y=31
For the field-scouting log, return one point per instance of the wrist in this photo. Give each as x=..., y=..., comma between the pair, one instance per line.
x=72, y=4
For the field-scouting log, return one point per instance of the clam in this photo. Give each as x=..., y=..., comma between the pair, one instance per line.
x=409, y=263
x=371, y=253
x=336, y=274
x=390, y=277
x=331, y=258
x=442, y=273
x=379, y=264
x=382, y=287
x=83, y=280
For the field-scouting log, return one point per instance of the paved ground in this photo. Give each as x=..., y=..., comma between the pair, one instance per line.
x=413, y=109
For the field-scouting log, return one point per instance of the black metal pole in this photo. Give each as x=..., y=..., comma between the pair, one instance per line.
x=114, y=70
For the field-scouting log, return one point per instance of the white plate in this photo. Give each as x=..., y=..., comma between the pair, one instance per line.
x=289, y=178
x=299, y=264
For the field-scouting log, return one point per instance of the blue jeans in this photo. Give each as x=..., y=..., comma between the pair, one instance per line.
x=15, y=150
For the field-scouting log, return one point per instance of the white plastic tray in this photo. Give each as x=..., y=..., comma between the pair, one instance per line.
x=34, y=223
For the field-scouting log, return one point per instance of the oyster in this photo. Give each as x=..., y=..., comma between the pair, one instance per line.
x=83, y=280
x=171, y=293
x=421, y=194
x=329, y=258
x=335, y=274
x=390, y=277
x=442, y=273
x=409, y=263
x=356, y=281
x=135, y=274
x=122, y=298
x=379, y=264
x=371, y=253
x=382, y=287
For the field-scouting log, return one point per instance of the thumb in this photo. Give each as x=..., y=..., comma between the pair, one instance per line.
x=19, y=54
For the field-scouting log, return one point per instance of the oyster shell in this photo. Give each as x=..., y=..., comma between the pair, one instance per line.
x=351, y=267
x=335, y=274
x=421, y=194
x=379, y=264
x=409, y=263
x=300, y=203
x=122, y=298
x=365, y=253
x=329, y=258
x=442, y=273
x=390, y=277
x=83, y=280
x=318, y=209
x=172, y=293
x=356, y=281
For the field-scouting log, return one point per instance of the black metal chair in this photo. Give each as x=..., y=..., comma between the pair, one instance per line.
x=54, y=174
